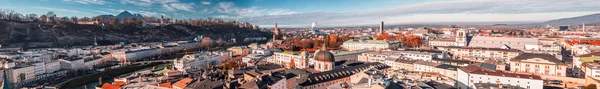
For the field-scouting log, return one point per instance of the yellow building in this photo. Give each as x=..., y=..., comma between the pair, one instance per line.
x=538, y=64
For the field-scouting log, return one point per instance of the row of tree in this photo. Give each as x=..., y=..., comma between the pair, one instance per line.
x=331, y=40
x=407, y=40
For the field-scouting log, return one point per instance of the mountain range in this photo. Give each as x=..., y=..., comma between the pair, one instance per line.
x=124, y=14
x=587, y=19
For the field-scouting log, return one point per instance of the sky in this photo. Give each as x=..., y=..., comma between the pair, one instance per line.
x=326, y=13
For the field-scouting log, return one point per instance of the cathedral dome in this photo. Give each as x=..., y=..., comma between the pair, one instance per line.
x=324, y=56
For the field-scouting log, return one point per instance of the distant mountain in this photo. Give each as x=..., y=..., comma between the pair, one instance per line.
x=588, y=19
x=106, y=16
x=124, y=14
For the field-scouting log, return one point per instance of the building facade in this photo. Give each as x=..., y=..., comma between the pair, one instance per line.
x=479, y=54
x=538, y=64
x=470, y=75
x=352, y=45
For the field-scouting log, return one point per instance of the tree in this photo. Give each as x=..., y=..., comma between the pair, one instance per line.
x=51, y=16
x=306, y=43
x=327, y=40
x=412, y=41
x=22, y=76
x=399, y=36
x=74, y=19
x=220, y=42
x=292, y=64
x=384, y=36
x=43, y=18
x=32, y=17
x=207, y=42
x=2, y=14
x=590, y=86
x=333, y=40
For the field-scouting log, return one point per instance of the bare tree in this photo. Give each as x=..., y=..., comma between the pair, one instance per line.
x=85, y=19
x=32, y=17
x=43, y=18
x=51, y=17
x=2, y=14
x=207, y=42
x=74, y=19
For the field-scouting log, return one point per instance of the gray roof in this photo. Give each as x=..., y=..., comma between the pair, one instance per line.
x=496, y=42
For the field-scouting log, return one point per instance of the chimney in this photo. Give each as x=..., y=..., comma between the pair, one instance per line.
x=381, y=27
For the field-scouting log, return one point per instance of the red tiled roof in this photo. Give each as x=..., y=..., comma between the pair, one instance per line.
x=109, y=86
x=169, y=74
x=166, y=84
x=472, y=69
x=120, y=83
x=183, y=82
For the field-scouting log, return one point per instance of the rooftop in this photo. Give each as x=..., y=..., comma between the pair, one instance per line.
x=427, y=63
x=325, y=76
x=483, y=48
x=535, y=57
x=370, y=41
x=472, y=69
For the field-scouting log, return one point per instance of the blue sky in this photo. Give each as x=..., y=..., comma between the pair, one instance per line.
x=301, y=13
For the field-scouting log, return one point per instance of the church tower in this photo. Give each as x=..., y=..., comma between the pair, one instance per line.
x=277, y=31
x=461, y=37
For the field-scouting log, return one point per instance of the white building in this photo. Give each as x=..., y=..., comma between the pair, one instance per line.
x=348, y=55
x=71, y=64
x=197, y=60
x=459, y=40
x=424, y=66
x=352, y=45
x=412, y=54
x=591, y=69
x=262, y=52
x=91, y=63
x=46, y=69
x=301, y=60
x=470, y=75
x=21, y=74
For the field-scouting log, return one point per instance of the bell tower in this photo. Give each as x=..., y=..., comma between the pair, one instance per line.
x=461, y=37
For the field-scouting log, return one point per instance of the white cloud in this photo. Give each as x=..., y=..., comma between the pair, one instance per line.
x=227, y=17
x=205, y=2
x=57, y=9
x=230, y=8
x=100, y=2
x=169, y=5
x=102, y=12
x=147, y=3
x=442, y=11
x=182, y=6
